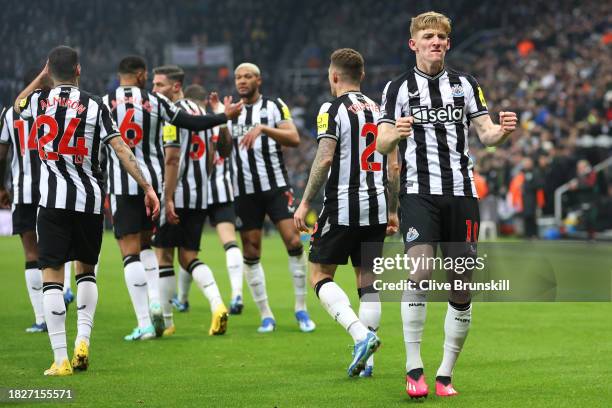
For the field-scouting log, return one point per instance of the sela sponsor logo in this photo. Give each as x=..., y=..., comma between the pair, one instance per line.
x=457, y=91
x=412, y=234
x=241, y=130
x=446, y=114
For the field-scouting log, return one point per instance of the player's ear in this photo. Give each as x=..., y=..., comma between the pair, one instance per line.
x=448, y=44
x=412, y=44
x=78, y=70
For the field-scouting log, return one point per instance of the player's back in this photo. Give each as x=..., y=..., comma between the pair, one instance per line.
x=355, y=189
x=70, y=124
x=139, y=115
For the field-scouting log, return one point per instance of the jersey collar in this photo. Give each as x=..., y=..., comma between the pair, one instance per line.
x=431, y=78
x=256, y=102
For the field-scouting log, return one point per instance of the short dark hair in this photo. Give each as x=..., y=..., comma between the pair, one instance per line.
x=173, y=72
x=63, y=62
x=195, y=92
x=350, y=62
x=131, y=65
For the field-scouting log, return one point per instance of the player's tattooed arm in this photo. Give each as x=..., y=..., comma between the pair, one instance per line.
x=129, y=162
x=491, y=134
x=320, y=168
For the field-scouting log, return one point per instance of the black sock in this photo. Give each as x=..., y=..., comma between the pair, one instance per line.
x=415, y=373
x=443, y=379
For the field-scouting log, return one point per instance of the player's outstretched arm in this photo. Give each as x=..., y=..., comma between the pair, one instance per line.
x=171, y=166
x=318, y=175
x=35, y=84
x=491, y=134
x=202, y=122
x=393, y=185
x=130, y=164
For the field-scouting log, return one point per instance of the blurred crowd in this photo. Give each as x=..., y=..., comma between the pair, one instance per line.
x=548, y=61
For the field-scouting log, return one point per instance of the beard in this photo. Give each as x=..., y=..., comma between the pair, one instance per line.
x=249, y=94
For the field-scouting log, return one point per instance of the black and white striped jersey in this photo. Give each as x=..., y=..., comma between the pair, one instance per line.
x=260, y=168
x=70, y=124
x=139, y=115
x=220, y=189
x=192, y=184
x=25, y=164
x=355, y=189
x=435, y=158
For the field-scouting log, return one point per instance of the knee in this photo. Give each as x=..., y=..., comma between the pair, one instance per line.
x=251, y=249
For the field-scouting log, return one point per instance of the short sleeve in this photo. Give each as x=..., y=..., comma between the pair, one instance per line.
x=108, y=127
x=326, y=121
x=167, y=110
x=390, y=107
x=475, y=100
x=281, y=111
x=25, y=105
x=5, y=136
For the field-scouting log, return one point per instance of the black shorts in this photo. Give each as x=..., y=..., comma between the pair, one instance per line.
x=332, y=244
x=222, y=212
x=186, y=234
x=65, y=235
x=251, y=209
x=129, y=215
x=24, y=218
x=449, y=220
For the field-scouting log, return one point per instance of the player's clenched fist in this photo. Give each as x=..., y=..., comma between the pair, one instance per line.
x=404, y=127
x=507, y=121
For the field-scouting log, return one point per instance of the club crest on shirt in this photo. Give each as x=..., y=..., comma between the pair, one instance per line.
x=411, y=235
x=457, y=91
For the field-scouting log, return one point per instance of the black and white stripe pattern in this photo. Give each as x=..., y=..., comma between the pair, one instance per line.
x=139, y=115
x=435, y=159
x=70, y=177
x=25, y=164
x=261, y=168
x=220, y=189
x=355, y=189
x=191, y=188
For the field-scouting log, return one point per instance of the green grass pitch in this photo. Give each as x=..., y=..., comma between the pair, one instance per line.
x=517, y=354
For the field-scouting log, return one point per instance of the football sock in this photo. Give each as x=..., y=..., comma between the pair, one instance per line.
x=55, y=316
x=149, y=261
x=456, y=328
x=233, y=260
x=166, y=291
x=67, y=275
x=337, y=304
x=184, y=283
x=414, y=311
x=33, y=277
x=136, y=281
x=369, y=311
x=256, y=280
x=203, y=276
x=87, y=301
x=297, y=268
x=415, y=373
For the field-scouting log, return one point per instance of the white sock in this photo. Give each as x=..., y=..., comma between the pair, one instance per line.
x=337, y=304
x=456, y=328
x=136, y=282
x=167, y=284
x=87, y=301
x=149, y=261
x=233, y=260
x=55, y=316
x=67, y=275
x=256, y=280
x=203, y=276
x=33, y=277
x=369, y=314
x=184, y=283
x=414, y=311
x=297, y=268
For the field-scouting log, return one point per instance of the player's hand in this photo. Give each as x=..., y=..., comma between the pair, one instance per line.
x=392, y=224
x=171, y=215
x=299, y=217
x=151, y=203
x=232, y=110
x=507, y=121
x=5, y=198
x=213, y=99
x=404, y=127
x=249, y=137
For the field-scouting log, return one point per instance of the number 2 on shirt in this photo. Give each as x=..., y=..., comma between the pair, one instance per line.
x=369, y=128
x=64, y=148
